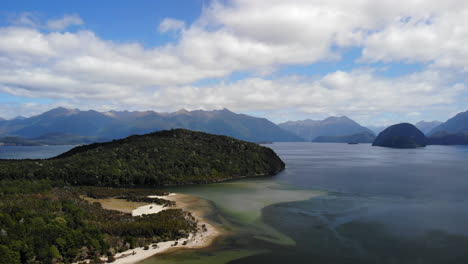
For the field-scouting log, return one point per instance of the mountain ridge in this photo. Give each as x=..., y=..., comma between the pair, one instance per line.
x=454, y=125
x=334, y=126
x=427, y=126
x=120, y=124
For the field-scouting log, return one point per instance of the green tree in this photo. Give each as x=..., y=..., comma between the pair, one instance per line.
x=54, y=252
x=8, y=256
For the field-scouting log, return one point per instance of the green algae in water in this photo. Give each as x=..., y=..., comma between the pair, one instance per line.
x=201, y=256
x=238, y=208
x=241, y=203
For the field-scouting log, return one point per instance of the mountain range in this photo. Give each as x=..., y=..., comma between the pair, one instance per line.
x=333, y=126
x=426, y=126
x=72, y=126
x=92, y=126
x=455, y=125
x=453, y=132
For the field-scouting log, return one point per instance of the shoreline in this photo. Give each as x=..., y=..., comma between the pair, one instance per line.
x=204, y=237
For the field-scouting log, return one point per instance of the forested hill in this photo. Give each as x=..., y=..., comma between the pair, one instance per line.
x=162, y=158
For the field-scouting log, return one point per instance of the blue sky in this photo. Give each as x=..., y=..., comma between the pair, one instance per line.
x=117, y=20
x=373, y=61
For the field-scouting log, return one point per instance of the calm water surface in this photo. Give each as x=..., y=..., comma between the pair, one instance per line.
x=339, y=203
x=32, y=152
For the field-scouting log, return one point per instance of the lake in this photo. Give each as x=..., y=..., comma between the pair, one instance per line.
x=32, y=152
x=337, y=203
x=340, y=203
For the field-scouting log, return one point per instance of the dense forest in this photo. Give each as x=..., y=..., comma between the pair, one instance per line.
x=170, y=157
x=45, y=222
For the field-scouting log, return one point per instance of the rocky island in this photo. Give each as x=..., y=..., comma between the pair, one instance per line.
x=402, y=135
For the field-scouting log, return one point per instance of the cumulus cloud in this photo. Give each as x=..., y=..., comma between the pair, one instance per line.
x=356, y=92
x=169, y=24
x=250, y=36
x=437, y=39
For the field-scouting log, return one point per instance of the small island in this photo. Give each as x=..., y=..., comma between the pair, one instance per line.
x=402, y=135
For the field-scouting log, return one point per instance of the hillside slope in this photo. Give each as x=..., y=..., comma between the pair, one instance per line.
x=163, y=158
x=427, y=126
x=332, y=126
x=455, y=125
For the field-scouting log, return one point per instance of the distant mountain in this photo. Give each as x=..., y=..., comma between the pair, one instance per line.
x=455, y=125
x=363, y=137
x=444, y=138
x=19, y=118
x=120, y=124
x=332, y=126
x=2, y=119
x=62, y=120
x=426, y=127
x=220, y=122
x=377, y=129
x=65, y=139
x=17, y=141
x=49, y=139
x=402, y=135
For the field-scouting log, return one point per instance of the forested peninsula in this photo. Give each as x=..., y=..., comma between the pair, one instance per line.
x=45, y=216
x=172, y=157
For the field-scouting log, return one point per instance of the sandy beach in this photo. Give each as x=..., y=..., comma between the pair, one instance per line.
x=203, y=238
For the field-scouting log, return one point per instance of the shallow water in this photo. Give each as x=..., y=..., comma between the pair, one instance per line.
x=339, y=203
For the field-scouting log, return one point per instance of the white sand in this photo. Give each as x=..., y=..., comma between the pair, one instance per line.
x=199, y=240
x=152, y=208
x=148, y=209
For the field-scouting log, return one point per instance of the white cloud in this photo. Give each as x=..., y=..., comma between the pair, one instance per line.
x=357, y=92
x=169, y=24
x=438, y=39
x=256, y=37
x=29, y=19
x=361, y=94
x=64, y=22
x=34, y=20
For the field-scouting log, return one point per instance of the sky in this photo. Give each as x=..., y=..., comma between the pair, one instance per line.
x=374, y=61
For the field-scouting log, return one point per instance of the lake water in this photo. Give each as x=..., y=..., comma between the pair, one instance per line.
x=32, y=152
x=339, y=203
